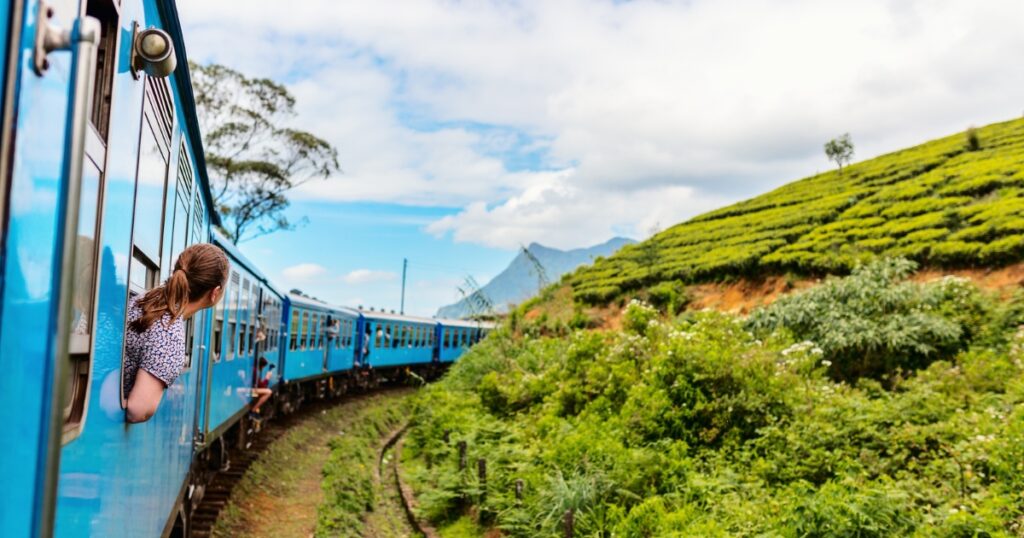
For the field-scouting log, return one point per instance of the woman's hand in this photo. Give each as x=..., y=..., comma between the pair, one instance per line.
x=145, y=397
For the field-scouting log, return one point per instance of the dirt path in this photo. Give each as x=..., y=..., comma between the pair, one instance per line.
x=281, y=492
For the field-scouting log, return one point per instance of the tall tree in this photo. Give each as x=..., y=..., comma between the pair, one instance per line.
x=839, y=150
x=254, y=157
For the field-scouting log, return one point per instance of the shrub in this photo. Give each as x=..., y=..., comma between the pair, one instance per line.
x=670, y=297
x=973, y=142
x=873, y=322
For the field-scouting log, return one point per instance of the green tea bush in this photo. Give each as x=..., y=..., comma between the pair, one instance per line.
x=933, y=203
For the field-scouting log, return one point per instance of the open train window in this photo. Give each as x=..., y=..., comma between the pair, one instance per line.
x=311, y=334
x=244, y=317
x=218, y=326
x=304, y=341
x=150, y=193
x=86, y=257
x=232, y=315
x=294, y=332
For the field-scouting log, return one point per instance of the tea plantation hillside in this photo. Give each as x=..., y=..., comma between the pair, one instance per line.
x=953, y=202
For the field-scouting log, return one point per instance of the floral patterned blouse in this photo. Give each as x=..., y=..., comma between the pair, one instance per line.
x=160, y=350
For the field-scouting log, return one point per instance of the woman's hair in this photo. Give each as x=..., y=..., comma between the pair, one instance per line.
x=199, y=269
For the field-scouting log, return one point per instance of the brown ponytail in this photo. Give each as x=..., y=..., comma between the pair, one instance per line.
x=199, y=269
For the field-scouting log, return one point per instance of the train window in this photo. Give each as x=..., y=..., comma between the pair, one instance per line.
x=243, y=318
x=314, y=329
x=218, y=326
x=84, y=264
x=232, y=315
x=304, y=342
x=318, y=332
x=150, y=186
x=294, y=332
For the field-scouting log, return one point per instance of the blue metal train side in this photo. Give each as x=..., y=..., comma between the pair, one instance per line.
x=35, y=108
x=308, y=350
x=148, y=179
x=394, y=340
x=230, y=370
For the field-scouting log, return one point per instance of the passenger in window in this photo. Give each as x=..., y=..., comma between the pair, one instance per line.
x=155, y=340
x=333, y=329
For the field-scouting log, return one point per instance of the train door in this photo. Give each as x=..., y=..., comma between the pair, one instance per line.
x=48, y=79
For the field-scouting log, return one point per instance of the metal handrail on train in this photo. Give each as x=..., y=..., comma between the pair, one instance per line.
x=82, y=40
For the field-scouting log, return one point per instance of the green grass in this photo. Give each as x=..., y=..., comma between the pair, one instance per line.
x=327, y=455
x=938, y=203
x=348, y=474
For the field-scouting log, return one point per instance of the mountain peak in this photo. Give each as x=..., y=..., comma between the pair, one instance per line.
x=519, y=281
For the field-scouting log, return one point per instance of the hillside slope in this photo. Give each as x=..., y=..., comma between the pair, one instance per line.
x=518, y=281
x=943, y=203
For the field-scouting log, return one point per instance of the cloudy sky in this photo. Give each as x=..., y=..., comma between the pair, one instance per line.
x=468, y=128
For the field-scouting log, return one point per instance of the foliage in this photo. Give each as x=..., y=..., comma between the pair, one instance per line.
x=873, y=323
x=937, y=204
x=839, y=150
x=712, y=425
x=253, y=156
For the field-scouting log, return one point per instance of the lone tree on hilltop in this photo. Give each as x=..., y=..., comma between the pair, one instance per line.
x=254, y=158
x=839, y=150
x=649, y=251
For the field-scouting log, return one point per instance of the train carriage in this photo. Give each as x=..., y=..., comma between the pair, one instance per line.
x=391, y=340
x=455, y=336
x=313, y=350
x=249, y=303
x=107, y=184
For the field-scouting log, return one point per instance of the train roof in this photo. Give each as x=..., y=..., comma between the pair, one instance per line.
x=380, y=314
x=310, y=301
x=467, y=323
x=233, y=251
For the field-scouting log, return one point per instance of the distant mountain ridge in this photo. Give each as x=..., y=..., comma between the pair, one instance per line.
x=518, y=282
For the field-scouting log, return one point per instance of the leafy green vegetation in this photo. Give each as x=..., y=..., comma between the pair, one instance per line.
x=956, y=201
x=868, y=406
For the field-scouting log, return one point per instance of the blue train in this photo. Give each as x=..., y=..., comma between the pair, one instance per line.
x=102, y=183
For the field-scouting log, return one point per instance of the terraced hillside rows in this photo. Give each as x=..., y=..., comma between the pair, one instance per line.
x=953, y=202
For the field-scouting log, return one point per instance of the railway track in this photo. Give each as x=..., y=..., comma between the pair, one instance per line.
x=218, y=491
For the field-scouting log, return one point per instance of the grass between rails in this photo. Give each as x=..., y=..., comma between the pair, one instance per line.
x=868, y=406
x=317, y=477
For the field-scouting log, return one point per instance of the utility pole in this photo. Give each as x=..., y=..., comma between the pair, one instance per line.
x=405, y=266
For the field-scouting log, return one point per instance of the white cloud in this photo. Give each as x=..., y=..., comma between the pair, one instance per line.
x=640, y=108
x=304, y=272
x=366, y=276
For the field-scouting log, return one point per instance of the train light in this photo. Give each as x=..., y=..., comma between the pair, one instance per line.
x=153, y=52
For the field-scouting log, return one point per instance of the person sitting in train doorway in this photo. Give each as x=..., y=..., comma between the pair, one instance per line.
x=262, y=390
x=154, y=352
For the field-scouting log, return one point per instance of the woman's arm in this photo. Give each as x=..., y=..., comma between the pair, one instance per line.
x=145, y=397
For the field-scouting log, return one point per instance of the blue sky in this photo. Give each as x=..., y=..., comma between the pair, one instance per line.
x=468, y=128
x=351, y=253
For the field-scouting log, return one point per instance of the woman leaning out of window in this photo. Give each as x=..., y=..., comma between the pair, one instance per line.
x=155, y=339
